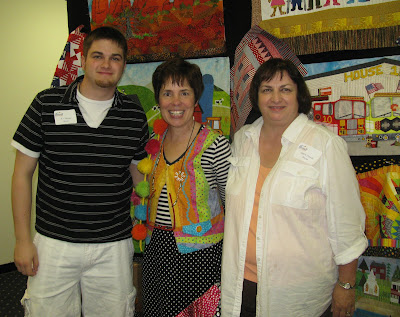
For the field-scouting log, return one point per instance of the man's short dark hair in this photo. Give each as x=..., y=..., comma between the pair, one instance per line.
x=268, y=70
x=105, y=33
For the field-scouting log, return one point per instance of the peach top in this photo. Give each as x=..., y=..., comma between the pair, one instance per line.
x=250, y=269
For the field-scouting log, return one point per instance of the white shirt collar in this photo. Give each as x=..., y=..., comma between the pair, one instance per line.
x=291, y=133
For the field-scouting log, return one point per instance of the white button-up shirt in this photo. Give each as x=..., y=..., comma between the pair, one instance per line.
x=310, y=220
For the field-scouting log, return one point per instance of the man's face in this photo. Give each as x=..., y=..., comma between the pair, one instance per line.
x=104, y=64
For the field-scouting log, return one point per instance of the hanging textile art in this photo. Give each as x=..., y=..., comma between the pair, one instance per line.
x=359, y=100
x=377, y=285
x=70, y=61
x=256, y=47
x=380, y=196
x=156, y=30
x=378, y=271
x=368, y=169
x=315, y=26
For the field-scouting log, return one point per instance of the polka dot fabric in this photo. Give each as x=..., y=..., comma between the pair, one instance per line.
x=205, y=306
x=176, y=284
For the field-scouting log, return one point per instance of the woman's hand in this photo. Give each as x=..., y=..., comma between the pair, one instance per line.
x=343, y=301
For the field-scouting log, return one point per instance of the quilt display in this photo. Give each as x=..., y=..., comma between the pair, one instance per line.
x=156, y=30
x=378, y=273
x=380, y=196
x=314, y=26
x=359, y=100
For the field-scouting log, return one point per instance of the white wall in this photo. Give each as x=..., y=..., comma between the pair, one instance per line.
x=32, y=36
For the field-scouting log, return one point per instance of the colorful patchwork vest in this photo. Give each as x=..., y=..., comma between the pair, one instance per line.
x=196, y=210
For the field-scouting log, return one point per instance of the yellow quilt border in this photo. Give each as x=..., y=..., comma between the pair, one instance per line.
x=357, y=18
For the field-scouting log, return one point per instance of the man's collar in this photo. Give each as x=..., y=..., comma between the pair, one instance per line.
x=70, y=94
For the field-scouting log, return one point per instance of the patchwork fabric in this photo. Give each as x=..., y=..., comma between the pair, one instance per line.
x=256, y=47
x=380, y=196
x=70, y=61
x=363, y=164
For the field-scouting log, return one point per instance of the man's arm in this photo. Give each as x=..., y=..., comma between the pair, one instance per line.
x=25, y=253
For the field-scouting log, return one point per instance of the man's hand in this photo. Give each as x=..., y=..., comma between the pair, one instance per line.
x=26, y=258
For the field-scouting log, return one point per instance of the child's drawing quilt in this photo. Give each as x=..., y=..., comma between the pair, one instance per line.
x=314, y=26
x=359, y=100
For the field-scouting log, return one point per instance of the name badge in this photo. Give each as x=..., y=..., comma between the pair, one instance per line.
x=65, y=117
x=307, y=154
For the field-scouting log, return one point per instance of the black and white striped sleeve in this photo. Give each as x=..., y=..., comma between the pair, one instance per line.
x=217, y=158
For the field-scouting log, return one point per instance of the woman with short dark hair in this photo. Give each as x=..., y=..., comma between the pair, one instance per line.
x=182, y=262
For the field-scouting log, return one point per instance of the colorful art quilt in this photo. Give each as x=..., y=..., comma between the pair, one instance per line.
x=360, y=101
x=378, y=273
x=380, y=196
x=367, y=165
x=314, y=26
x=156, y=30
x=378, y=279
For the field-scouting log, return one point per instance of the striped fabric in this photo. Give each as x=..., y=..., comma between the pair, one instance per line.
x=84, y=184
x=256, y=47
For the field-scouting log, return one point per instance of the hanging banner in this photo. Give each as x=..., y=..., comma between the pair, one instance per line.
x=315, y=26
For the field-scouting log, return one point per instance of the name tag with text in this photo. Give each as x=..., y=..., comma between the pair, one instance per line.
x=65, y=117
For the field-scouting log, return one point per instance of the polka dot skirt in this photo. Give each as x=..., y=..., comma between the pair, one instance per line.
x=176, y=284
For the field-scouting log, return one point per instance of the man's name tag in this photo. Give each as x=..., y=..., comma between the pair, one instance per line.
x=65, y=117
x=307, y=154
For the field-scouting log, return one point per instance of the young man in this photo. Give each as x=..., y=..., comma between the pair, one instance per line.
x=87, y=138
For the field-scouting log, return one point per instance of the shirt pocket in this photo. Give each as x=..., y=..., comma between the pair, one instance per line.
x=237, y=174
x=292, y=182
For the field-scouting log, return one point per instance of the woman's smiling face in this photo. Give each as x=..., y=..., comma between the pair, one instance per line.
x=177, y=103
x=277, y=100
